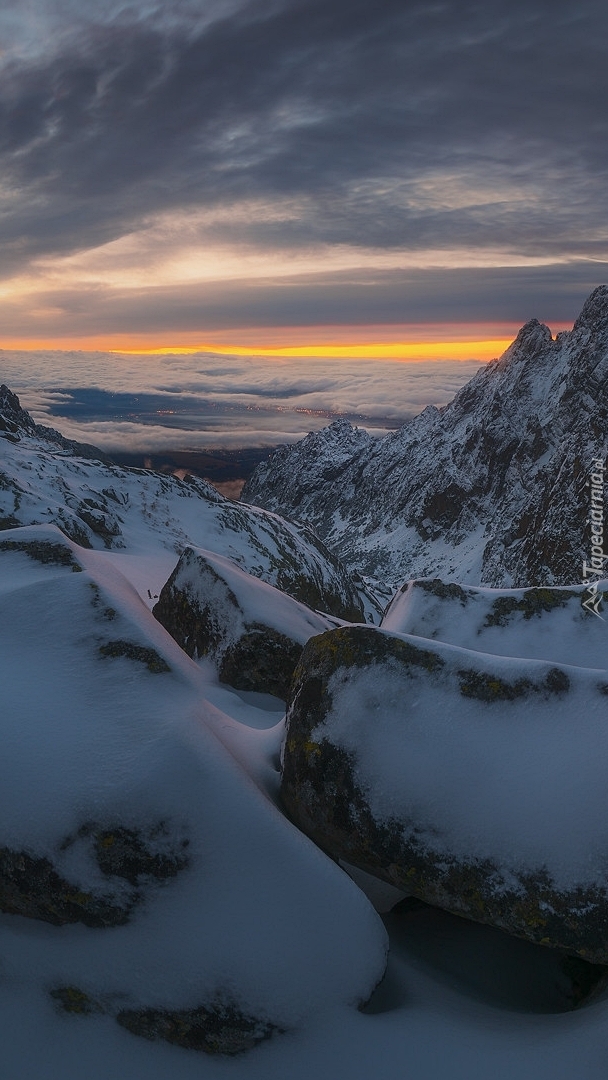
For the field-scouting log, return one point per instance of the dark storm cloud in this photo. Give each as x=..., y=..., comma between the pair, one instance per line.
x=378, y=120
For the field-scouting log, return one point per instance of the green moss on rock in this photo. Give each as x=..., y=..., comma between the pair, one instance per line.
x=30, y=886
x=262, y=659
x=140, y=653
x=490, y=687
x=123, y=852
x=444, y=590
x=533, y=602
x=73, y=1000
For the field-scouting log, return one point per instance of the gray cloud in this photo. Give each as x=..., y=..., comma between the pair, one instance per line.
x=553, y=293
x=380, y=122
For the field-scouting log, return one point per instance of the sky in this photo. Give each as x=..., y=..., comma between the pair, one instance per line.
x=258, y=174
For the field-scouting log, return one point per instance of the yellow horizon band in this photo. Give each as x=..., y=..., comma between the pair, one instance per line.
x=423, y=350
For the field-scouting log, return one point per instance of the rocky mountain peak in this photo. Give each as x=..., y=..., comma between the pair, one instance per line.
x=534, y=336
x=490, y=490
x=533, y=343
x=341, y=431
x=594, y=316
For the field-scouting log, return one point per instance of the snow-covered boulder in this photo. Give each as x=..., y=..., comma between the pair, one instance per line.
x=155, y=879
x=474, y=782
x=545, y=623
x=251, y=631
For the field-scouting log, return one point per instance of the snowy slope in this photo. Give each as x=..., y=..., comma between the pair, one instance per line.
x=490, y=489
x=108, y=742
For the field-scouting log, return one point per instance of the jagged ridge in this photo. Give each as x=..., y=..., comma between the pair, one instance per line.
x=489, y=489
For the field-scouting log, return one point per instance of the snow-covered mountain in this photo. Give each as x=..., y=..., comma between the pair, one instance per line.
x=491, y=489
x=151, y=518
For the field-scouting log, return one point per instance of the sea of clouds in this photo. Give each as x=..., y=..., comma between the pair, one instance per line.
x=146, y=404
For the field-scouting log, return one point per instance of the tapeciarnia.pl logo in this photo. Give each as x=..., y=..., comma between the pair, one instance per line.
x=595, y=566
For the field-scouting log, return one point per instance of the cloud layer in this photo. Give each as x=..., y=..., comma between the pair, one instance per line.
x=350, y=158
x=196, y=402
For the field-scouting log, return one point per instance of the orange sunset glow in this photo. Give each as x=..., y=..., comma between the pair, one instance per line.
x=370, y=343
x=384, y=350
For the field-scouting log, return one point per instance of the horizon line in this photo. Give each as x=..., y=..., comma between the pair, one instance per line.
x=399, y=342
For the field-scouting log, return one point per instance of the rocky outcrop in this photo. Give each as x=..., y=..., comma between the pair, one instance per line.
x=54, y=553
x=493, y=488
x=453, y=776
x=252, y=632
x=218, y=1027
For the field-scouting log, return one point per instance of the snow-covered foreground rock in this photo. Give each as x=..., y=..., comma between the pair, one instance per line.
x=253, y=632
x=143, y=875
x=490, y=489
x=541, y=623
x=474, y=782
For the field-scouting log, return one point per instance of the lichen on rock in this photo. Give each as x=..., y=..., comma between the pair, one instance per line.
x=142, y=654
x=43, y=551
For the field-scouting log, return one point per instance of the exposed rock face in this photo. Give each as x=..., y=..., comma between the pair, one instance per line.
x=219, y=1027
x=44, y=551
x=252, y=632
x=34, y=887
x=16, y=422
x=491, y=488
x=453, y=776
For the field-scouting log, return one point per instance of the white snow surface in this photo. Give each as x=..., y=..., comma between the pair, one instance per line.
x=503, y=621
x=521, y=781
x=89, y=738
x=260, y=913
